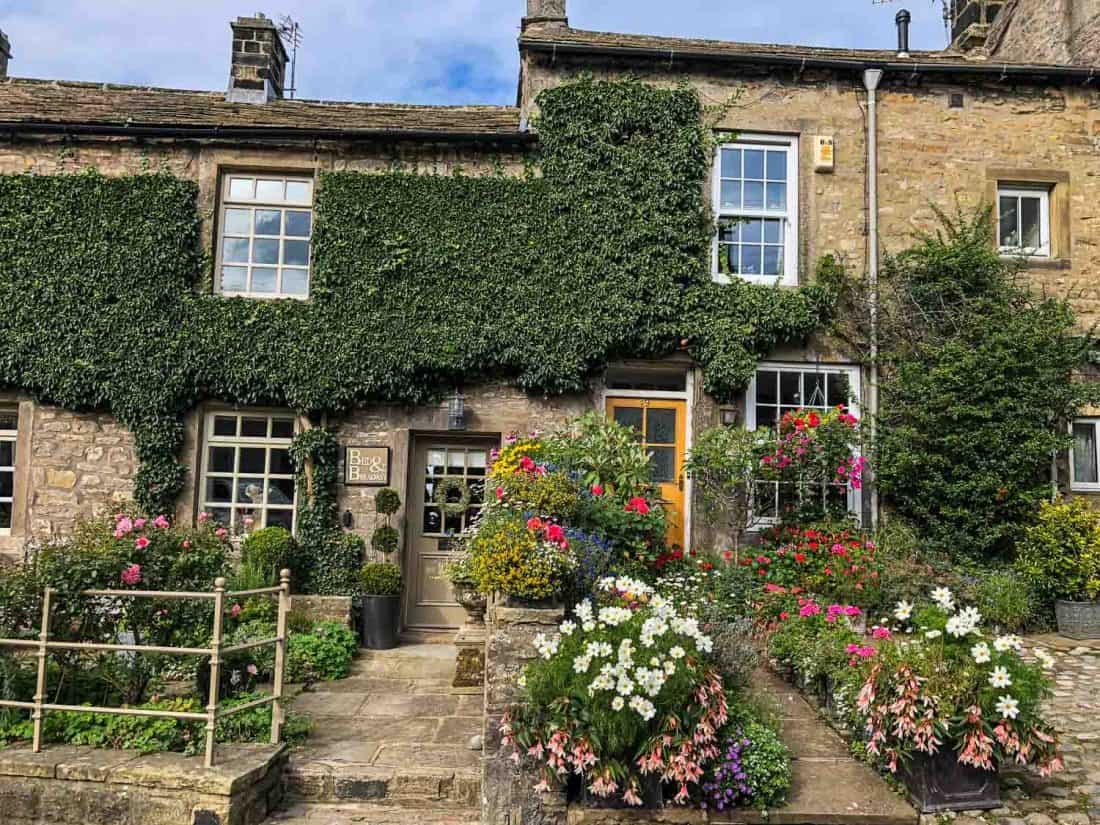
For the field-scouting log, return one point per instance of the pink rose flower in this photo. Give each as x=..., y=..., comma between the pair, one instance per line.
x=203, y=516
x=141, y=543
x=880, y=633
x=597, y=490
x=221, y=532
x=132, y=574
x=186, y=544
x=123, y=526
x=252, y=670
x=248, y=522
x=500, y=493
x=235, y=610
x=161, y=523
x=139, y=523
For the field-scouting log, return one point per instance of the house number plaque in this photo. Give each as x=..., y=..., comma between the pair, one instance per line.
x=367, y=466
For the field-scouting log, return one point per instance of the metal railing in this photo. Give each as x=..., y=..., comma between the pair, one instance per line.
x=216, y=652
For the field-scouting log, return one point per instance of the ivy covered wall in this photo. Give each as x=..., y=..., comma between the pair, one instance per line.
x=600, y=251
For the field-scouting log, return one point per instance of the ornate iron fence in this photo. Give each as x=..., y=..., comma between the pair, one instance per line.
x=215, y=652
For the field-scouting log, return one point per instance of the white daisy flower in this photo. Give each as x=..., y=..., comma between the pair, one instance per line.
x=980, y=652
x=932, y=634
x=1002, y=644
x=617, y=703
x=943, y=598
x=1008, y=707
x=677, y=652
x=1044, y=658
x=999, y=678
x=903, y=610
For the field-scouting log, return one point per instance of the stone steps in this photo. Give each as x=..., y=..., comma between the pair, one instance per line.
x=316, y=813
x=412, y=787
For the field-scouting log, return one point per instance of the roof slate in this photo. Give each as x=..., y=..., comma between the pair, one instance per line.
x=547, y=37
x=26, y=101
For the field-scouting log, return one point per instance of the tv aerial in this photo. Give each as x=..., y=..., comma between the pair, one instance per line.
x=291, y=33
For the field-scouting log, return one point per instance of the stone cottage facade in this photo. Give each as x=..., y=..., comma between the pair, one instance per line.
x=984, y=122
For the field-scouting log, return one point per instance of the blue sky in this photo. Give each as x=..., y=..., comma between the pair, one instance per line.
x=413, y=51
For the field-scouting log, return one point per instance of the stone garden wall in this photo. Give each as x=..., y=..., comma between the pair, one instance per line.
x=507, y=797
x=85, y=786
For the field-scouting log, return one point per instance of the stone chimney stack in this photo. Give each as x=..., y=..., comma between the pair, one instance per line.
x=545, y=14
x=5, y=54
x=259, y=61
x=971, y=22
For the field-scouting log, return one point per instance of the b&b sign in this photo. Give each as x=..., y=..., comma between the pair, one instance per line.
x=367, y=466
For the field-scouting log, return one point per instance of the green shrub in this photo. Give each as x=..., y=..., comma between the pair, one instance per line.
x=151, y=735
x=735, y=652
x=387, y=501
x=1059, y=555
x=385, y=539
x=978, y=375
x=273, y=549
x=380, y=579
x=767, y=765
x=1005, y=600
x=335, y=567
x=323, y=655
x=136, y=553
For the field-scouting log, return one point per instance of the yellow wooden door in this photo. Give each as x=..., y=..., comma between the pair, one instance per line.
x=661, y=427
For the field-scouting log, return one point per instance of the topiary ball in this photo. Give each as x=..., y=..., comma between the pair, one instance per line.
x=385, y=539
x=387, y=501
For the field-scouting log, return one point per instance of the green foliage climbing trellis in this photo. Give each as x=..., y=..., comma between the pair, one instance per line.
x=419, y=281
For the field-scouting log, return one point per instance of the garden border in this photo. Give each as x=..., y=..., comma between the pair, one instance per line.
x=214, y=711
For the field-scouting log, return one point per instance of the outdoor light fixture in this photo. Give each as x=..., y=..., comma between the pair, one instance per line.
x=728, y=416
x=348, y=519
x=456, y=411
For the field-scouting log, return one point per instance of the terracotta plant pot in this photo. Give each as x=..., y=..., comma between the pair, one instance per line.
x=942, y=783
x=471, y=601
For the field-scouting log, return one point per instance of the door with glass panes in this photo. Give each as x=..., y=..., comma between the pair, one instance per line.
x=660, y=427
x=445, y=473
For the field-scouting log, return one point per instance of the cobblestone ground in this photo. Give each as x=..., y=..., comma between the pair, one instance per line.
x=1071, y=797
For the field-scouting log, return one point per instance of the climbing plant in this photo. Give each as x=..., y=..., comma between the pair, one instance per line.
x=600, y=251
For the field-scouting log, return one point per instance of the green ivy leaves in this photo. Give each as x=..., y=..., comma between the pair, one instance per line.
x=418, y=282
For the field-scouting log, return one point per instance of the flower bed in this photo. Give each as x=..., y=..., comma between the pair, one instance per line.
x=133, y=552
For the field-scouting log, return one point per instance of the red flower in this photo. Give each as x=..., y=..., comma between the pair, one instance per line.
x=638, y=505
x=527, y=464
x=534, y=523
x=597, y=490
x=813, y=419
x=555, y=533
x=800, y=558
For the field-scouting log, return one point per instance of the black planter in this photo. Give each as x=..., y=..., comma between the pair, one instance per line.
x=379, y=619
x=941, y=783
x=652, y=797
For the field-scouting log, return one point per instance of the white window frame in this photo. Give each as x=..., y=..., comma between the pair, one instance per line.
x=1074, y=484
x=1042, y=193
x=754, y=140
x=12, y=437
x=237, y=441
x=228, y=202
x=852, y=371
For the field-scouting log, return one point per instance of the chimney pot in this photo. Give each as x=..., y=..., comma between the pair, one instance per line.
x=258, y=65
x=5, y=54
x=903, y=19
x=549, y=13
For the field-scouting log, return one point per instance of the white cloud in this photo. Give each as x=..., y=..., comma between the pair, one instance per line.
x=439, y=51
